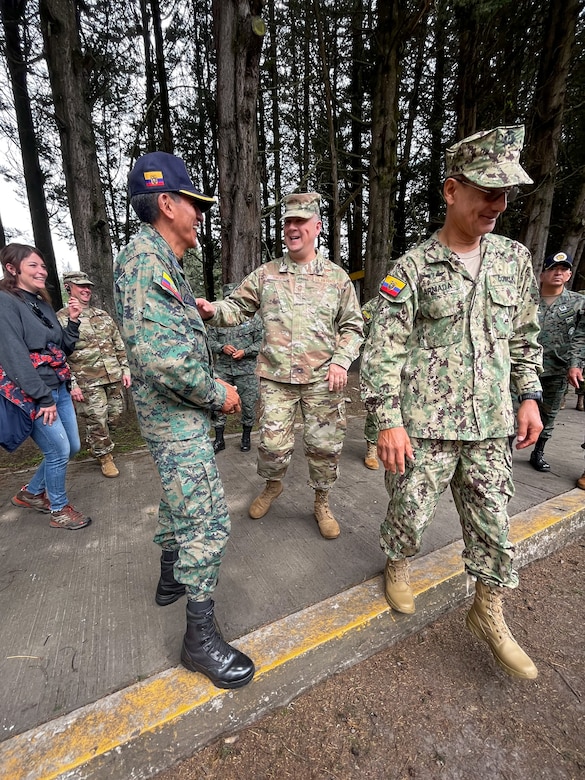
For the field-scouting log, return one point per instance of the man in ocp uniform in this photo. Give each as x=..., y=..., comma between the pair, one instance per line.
x=236, y=350
x=175, y=392
x=456, y=325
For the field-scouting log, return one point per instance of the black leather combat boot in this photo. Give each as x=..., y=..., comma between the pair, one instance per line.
x=205, y=651
x=168, y=589
x=219, y=443
x=537, y=460
x=245, y=443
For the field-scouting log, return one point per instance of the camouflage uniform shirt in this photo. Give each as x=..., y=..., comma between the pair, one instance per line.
x=166, y=341
x=562, y=333
x=310, y=314
x=444, y=348
x=99, y=357
x=247, y=336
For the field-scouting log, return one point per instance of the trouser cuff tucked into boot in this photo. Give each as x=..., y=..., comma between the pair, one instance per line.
x=168, y=590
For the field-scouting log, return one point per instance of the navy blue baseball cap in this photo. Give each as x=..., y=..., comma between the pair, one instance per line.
x=560, y=258
x=163, y=172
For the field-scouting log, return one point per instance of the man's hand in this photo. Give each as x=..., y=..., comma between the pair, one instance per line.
x=575, y=376
x=75, y=307
x=126, y=381
x=394, y=448
x=238, y=354
x=529, y=424
x=232, y=400
x=205, y=308
x=228, y=349
x=76, y=394
x=337, y=377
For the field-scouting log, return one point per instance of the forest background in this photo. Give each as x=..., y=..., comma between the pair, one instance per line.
x=355, y=99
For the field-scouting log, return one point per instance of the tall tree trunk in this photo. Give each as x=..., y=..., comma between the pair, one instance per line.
x=12, y=12
x=574, y=237
x=238, y=32
x=149, y=86
x=274, y=243
x=166, y=141
x=545, y=124
x=355, y=183
x=68, y=77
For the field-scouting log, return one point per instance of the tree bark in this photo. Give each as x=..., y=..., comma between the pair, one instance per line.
x=12, y=12
x=68, y=77
x=238, y=33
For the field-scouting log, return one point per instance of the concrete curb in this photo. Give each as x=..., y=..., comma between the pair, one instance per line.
x=149, y=726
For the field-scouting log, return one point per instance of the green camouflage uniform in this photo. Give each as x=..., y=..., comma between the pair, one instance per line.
x=311, y=318
x=98, y=365
x=371, y=424
x=562, y=337
x=439, y=360
x=175, y=392
x=241, y=373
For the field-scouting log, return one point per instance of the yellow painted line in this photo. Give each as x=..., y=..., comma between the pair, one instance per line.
x=75, y=739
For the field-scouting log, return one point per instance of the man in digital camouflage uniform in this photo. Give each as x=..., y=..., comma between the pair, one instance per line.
x=175, y=392
x=371, y=424
x=236, y=350
x=456, y=324
x=312, y=333
x=561, y=314
x=99, y=369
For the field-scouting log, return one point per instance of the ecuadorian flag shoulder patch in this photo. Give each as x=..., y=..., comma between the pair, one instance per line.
x=167, y=283
x=392, y=286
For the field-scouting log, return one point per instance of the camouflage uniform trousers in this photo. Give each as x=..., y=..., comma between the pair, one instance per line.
x=553, y=392
x=324, y=427
x=193, y=515
x=371, y=429
x=248, y=391
x=480, y=476
x=102, y=408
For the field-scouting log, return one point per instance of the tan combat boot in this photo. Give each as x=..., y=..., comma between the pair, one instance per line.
x=371, y=459
x=580, y=403
x=486, y=621
x=263, y=502
x=327, y=523
x=580, y=482
x=108, y=466
x=397, y=586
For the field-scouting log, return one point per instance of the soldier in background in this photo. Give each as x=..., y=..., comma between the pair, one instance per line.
x=236, y=350
x=99, y=369
x=371, y=424
x=175, y=393
x=312, y=334
x=456, y=324
x=561, y=314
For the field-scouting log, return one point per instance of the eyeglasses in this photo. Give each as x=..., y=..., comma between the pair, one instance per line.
x=510, y=193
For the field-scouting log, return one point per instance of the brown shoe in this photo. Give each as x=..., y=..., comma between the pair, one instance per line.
x=40, y=502
x=328, y=526
x=108, y=466
x=263, y=502
x=580, y=482
x=68, y=518
x=371, y=459
x=397, y=586
x=580, y=403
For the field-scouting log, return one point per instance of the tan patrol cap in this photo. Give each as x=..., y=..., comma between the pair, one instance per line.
x=302, y=204
x=76, y=277
x=490, y=158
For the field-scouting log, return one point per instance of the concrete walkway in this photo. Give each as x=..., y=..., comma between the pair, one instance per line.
x=90, y=682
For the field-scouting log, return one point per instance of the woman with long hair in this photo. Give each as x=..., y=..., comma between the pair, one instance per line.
x=33, y=352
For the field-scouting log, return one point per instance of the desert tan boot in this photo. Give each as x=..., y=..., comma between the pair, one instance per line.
x=486, y=621
x=397, y=586
x=263, y=502
x=371, y=459
x=327, y=523
x=108, y=466
x=581, y=481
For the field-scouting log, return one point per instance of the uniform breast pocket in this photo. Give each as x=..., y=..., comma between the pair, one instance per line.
x=503, y=306
x=171, y=318
x=440, y=321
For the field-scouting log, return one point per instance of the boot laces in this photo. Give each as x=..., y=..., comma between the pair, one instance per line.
x=398, y=571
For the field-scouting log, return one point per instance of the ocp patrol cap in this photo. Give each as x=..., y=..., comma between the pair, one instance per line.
x=163, y=172
x=77, y=277
x=489, y=158
x=303, y=205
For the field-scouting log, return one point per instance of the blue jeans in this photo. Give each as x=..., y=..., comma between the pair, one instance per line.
x=58, y=442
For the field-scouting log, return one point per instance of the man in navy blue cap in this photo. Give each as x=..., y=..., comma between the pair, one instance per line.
x=175, y=392
x=561, y=315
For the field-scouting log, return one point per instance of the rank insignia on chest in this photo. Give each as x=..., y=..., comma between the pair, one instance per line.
x=392, y=286
x=167, y=283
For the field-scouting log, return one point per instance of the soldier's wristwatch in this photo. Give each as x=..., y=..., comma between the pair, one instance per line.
x=530, y=397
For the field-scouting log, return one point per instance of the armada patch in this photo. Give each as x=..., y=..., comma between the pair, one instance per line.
x=154, y=179
x=167, y=283
x=392, y=286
